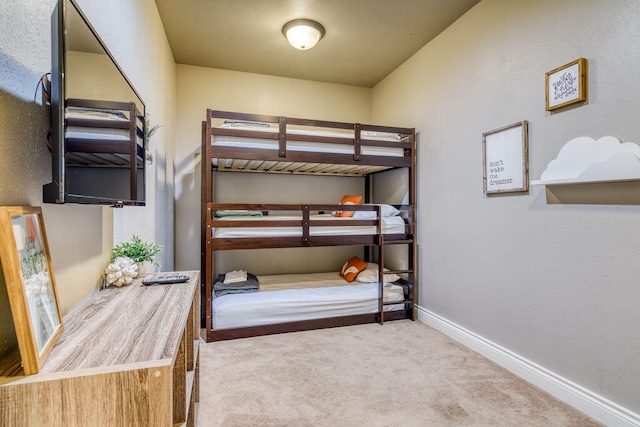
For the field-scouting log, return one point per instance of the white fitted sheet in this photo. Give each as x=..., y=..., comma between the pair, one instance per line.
x=316, y=147
x=293, y=297
x=89, y=133
x=109, y=134
x=95, y=114
x=390, y=225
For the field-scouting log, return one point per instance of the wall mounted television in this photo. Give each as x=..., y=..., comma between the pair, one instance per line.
x=97, y=119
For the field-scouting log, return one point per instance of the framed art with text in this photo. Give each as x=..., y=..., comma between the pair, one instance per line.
x=24, y=253
x=505, y=159
x=566, y=85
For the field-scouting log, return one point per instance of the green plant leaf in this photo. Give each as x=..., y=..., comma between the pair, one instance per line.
x=137, y=250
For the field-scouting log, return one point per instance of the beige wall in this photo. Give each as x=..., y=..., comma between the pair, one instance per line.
x=201, y=88
x=80, y=237
x=555, y=284
x=93, y=76
x=134, y=34
x=76, y=233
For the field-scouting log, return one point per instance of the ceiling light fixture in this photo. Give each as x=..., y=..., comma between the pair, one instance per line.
x=303, y=34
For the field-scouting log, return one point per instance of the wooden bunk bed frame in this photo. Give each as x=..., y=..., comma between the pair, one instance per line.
x=282, y=160
x=105, y=153
x=81, y=152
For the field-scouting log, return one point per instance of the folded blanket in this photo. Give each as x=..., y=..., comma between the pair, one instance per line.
x=238, y=213
x=235, y=277
x=250, y=285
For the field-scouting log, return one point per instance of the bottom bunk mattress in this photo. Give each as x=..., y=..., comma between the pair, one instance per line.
x=294, y=297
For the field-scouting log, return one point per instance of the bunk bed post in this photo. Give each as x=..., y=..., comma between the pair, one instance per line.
x=305, y=224
x=413, y=280
x=357, y=147
x=413, y=247
x=133, y=151
x=368, y=187
x=282, y=136
x=206, y=197
x=380, y=273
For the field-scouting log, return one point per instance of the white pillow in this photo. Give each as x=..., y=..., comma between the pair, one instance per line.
x=385, y=211
x=374, y=134
x=370, y=275
x=243, y=124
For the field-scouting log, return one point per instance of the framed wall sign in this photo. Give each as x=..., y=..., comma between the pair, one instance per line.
x=566, y=85
x=506, y=159
x=31, y=288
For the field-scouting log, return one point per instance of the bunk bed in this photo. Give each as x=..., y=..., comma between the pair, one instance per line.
x=250, y=143
x=104, y=152
x=104, y=133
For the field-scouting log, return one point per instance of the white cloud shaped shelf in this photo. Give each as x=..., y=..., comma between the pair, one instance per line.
x=584, y=159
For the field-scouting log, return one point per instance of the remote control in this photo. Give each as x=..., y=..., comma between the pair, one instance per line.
x=165, y=280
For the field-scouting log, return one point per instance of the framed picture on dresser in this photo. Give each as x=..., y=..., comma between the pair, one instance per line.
x=31, y=288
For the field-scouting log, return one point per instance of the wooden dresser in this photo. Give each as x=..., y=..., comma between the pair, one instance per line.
x=127, y=357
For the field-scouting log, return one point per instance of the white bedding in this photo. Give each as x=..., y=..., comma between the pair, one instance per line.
x=109, y=134
x=390, y=225
x=293, y=297
x=316, y=147
x=99, y=133
x=95, y=114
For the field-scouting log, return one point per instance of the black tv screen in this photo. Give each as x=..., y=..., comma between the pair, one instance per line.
x=97, y=119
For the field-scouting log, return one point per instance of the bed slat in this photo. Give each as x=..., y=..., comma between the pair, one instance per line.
x=295, y=168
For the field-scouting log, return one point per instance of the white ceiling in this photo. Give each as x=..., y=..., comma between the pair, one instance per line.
x=365, y=39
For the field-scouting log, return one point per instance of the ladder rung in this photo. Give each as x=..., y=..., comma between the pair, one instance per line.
x=397, y=271
x=398, y=242
x=405, y=302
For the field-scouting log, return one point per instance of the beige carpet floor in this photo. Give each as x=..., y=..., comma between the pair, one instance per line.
x=403, y=373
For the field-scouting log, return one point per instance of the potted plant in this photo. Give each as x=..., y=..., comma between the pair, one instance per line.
x=149, y=131
x=138, y=251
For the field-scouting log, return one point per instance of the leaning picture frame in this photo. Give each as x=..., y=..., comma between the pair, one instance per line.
x=31, y=288
x=505, y=159
x=566, y=85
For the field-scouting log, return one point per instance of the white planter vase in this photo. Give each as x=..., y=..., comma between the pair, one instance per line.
x=141, y=269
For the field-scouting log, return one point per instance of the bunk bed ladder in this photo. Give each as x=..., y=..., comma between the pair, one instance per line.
x=408, y=301
x=206, y=255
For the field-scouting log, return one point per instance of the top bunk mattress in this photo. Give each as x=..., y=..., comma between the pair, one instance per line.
x=308, y=146
x=99, y=124
x=269, y=144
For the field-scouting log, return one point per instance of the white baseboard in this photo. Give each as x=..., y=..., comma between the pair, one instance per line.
x=592, y=404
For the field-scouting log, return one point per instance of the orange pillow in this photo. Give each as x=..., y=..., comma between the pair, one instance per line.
x=352, y=268
x=348, y=200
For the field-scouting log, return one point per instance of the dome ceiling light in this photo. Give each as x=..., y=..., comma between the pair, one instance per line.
x=303, y=34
